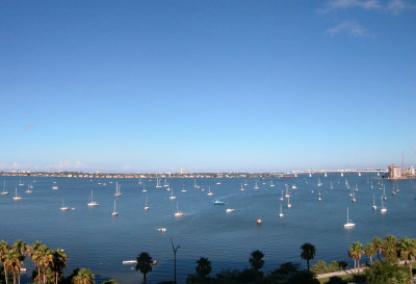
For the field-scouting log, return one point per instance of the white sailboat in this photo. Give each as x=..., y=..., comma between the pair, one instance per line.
x=287, y=194
x=242, y=187
x=63, y=207
x=4, y=192
x=331, y=185
x=16, y=196
x=21, y=183
x=229, y=210
x=146, y=204
x=158, y=185
x=349, y=224
x=289, y=205
x=55, y=186
x=272, y=184
x=353, y=198
x=374, y=206
x=172, y=196
x=144, y=188
x=178, y=213
x=92, y=202
x=166, y=184
x=115, y=212
x=319, y=196
x=282, y=197
x=319, y=182
x=281, y=215
x=383, y=209
x=210, y=193
x=118, y=190
x=29, y=189
x=342, y=174
x=256, y=186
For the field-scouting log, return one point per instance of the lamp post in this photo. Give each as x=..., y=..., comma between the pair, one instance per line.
x=175, y=250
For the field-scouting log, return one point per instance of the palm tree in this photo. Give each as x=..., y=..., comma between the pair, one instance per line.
x=378, y=244
x=256, y=260
x=355, y=252
x=83, y=276
x=144, y=264
x=406, y=252
x=308, y=253
x=203, y=268
x=369, y=251
x=12, y=263
x=37, y=251
x=59, y=258
x=4, y=249
x=389, y=248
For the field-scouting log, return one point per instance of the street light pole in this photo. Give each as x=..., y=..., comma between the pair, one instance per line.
x=175, y=250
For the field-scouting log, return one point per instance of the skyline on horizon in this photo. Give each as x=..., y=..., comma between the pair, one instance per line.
x=156, y=86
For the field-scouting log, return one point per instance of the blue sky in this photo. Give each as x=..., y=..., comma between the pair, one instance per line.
x=207, y=84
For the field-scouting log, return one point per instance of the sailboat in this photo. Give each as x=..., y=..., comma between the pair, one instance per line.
x=325, y=174
x=146, y=204
x=356, y=188
x=374, y=206
x=281, y=215
x=172, y=196
x=353, y=198
x=16, y=196
x=256, y=186
x=349, y=224
x=342, y=174
x=29, y=189
x=319, y=196
x=144, y=188
x=166, y=184
x=21, y=183
x=183, y=189
x=319, y=182
x=331, y=185
x=359, y=174
x=54, y=186
x=383, y=209
x=195, y=185
x=63, y=207
x=229, y=210
x=115, y=212
x=287, y=195
x=272, y=184
x=289, y=205
x=242, y=187
x=384, y=193
x=92, y=202
x=210, y=193
x=178, y=213
x=118, y=190
x=282, y=196
x=158, y=185
x=4, y=192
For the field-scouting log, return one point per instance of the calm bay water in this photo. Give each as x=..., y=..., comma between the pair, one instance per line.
x=92, y=238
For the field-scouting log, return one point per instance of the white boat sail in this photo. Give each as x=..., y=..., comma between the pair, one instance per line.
x=92, y=202
x=115, y=212
x=349, y=224
x=4, y=192
x=118, y=190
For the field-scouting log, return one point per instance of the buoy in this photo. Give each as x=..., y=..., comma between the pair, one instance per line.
x=259, y=221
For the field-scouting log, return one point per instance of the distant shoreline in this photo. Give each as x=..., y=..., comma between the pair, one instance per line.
x=182, y=175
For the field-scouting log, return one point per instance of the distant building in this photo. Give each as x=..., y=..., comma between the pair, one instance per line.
x=395, y=172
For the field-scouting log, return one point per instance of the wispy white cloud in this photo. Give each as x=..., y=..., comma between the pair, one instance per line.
x=332, y=5
x=391, y=6
x=398, y=6
x=350, y=28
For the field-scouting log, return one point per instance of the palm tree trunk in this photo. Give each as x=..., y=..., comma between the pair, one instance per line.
x=6, y=276
x=56, y=277
x=144, y=278
x=307, y=262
